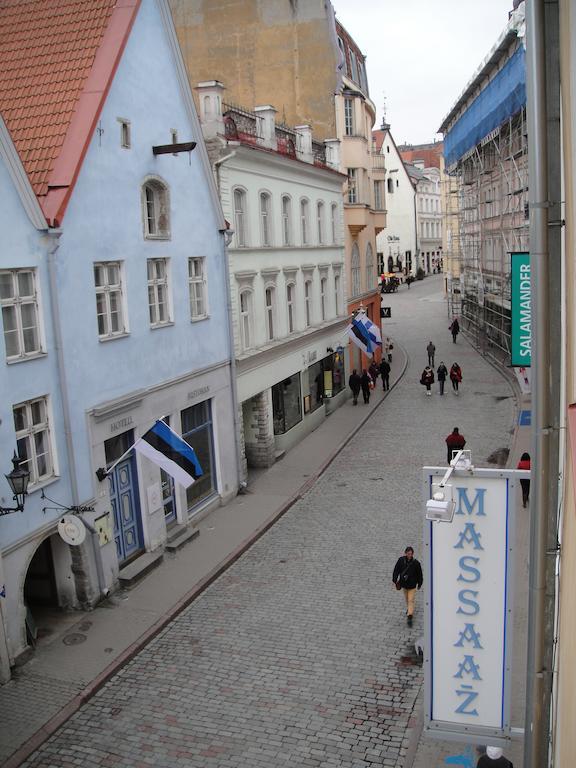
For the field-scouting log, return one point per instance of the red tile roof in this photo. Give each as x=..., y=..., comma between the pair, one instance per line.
x=58, y=60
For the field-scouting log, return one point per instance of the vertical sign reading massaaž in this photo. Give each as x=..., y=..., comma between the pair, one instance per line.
x=467, y=609
x=521, y=310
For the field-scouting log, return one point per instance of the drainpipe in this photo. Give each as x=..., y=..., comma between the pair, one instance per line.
x=57, y=330
x=543, y=154
x=226, y=236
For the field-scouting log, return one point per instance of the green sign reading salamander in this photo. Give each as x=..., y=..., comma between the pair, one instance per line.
x=521, y=354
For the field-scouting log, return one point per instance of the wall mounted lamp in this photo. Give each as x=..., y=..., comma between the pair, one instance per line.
x=18, y=481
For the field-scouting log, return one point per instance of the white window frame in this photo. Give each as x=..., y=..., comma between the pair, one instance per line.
x=240, y=202
x=27, y=440
x=308, y=288
x=356, y=274
x=333, y=222
x=337, y=280
x=290, y=307
x=156, y=286
x=246, y=314
x=323, y=297
x=155, y=198
x=16, y=302
x=378, y=197
x=265, y=199
x=197, y=293
x=320, y=222
x=286, y=205
x=108, y=290
x=270, y=306
x=348, y=116
x=352, y=185
x=125, y=133
x=304, y=221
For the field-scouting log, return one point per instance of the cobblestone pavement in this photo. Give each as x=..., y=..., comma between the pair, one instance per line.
x=299, y=655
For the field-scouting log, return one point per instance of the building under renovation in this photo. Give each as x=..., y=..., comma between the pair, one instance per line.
x=486, y=158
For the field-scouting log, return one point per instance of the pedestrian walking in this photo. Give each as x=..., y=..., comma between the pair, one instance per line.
x=431, y=349
x=385, y=373
x=455, y=442
x=427, y=379
x=524, y=463
x=493, y=758
x=442, y=374
x=354, y=384
x=454, y=329
x=365, y=382
x=455, y=377
x=407, y=576
x=388, y=347
x=373, y=371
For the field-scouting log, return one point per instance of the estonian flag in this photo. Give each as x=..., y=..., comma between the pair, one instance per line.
x=170, y=452
x=364, y=334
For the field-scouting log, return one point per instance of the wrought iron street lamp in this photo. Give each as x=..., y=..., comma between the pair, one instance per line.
x=18, y=481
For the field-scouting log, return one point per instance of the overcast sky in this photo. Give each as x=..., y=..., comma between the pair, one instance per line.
x=420, y=54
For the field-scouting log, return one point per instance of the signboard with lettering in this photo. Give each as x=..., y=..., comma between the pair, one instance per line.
x=468, y=607
x=521, y=310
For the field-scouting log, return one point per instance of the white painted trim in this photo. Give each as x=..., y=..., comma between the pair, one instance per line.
x=20, y=179
x=184, y=83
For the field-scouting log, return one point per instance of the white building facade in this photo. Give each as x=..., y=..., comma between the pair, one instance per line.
x=429, y=218
x=281, y=192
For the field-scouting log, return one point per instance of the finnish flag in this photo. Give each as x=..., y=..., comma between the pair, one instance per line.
x=364, y=334
x=170, y=452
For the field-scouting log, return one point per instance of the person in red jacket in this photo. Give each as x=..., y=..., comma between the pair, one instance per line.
x=524, y=463
x=455, y=442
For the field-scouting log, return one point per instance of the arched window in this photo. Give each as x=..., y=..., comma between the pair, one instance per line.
x=369, y=267
x=323, y=298
x=240, y=217
x=355, y=264
x=320, y=222
x=304, y=227
x=156, y=209
x=246, y=320
x=290, y=306
x=286, y=220
x=270, y=313
x=333, y=223
x=337, y=294
x=265, y=218
x=308, y=302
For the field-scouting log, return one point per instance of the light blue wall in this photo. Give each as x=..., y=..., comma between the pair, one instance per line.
x=24, y=246
x=104, y=222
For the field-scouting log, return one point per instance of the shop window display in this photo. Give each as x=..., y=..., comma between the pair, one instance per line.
x=286, y=404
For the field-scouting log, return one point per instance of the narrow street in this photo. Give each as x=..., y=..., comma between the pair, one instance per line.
x=299, y=655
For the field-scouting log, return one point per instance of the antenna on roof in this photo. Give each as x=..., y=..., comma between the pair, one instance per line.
x=385, y=125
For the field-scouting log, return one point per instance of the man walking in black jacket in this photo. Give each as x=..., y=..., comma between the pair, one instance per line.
x=408, y=577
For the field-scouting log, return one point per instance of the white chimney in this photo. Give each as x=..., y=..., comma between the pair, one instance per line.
x=210, y=94
x=304, y=143
x=333, y=153
x=266, y=126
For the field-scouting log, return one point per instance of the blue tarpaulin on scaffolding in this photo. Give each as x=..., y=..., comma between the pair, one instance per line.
x=503, y=97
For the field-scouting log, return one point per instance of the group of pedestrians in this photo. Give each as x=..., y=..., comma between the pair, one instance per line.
x=428, y=378
x=367, y=381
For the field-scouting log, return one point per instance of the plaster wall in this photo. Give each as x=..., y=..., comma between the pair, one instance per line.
x=266, y=52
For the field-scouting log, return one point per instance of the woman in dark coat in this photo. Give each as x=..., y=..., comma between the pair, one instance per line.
x=454, y=329
x=455, y=376
x=427, y=379
x=365, y=382
x=354, y=384
x=442, y=374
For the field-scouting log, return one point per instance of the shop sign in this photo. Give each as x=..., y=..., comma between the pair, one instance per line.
x=521, y=310
x=468, y=607
x=328, y=384
x=121, y=424
x=198, y=392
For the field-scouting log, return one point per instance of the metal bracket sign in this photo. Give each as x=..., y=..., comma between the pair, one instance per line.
x=521, y=310
x=468, y=622
x=385, y=311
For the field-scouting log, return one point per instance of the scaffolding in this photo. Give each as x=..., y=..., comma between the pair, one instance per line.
x=492, y=193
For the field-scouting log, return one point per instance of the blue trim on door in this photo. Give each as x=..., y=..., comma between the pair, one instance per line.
x=125, y=503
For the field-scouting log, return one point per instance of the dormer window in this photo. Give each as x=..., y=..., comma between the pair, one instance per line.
x=156, y=210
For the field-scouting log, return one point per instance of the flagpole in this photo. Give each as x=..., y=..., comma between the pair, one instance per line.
x=111, y=467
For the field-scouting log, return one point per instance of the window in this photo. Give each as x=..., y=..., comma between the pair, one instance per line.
x=355, y=264
x=270, y=311
x=20, y=317
x=156, y=210
x=246, y=319
x=348, y=116
x=323, y=285
x=240, y=217
x=265, y=221
x=286, y=220
x=125, y=138
x=304, y=221
x=320, y=221
x=197, y=431
x=158, y=306
x=308, y=302
x=333, y=214
x=109, y=299
x=352, y=180
x=197, y=288
x=369, y=267
x=290, y=306
x=33, y=439
x=286, y=404
x=390, y=185
x=378, y=195
x=337, y=294
x=354, y=65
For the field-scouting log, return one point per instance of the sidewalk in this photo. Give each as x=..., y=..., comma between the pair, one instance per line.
x=87, y=649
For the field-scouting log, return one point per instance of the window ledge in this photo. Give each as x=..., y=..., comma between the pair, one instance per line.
x=122, y=335
x=167, y=236
x=199, y=319
x=158, y=326
x=25, y=358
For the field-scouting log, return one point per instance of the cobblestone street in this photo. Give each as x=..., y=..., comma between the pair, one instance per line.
x=299, y=655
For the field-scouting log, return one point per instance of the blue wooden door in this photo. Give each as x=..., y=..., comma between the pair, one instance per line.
x=126, y=509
